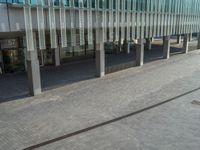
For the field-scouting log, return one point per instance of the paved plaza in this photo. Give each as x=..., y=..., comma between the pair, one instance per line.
x=154, y=107
x=66, y=74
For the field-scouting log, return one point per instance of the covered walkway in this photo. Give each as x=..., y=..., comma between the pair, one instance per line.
x=164, y=92
x=15, y=86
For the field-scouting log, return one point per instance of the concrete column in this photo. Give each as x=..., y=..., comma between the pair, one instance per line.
x=33, y=70
x=1, y=57
x=140, y=53
x=119, y=46
x=190, y=37
x=198, y=38
x=126, y=47
x=186, y=43
x=25, y=52
x=152, y=39
x=42, y=57
x=166, y=47
x=100, y=60
x=56, y=56
x=1, y=63
x=179, y=39
x=136, y=41
x=120, y=42
x=148, y=44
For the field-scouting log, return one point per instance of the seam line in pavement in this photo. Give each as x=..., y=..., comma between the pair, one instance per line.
x=107, y=122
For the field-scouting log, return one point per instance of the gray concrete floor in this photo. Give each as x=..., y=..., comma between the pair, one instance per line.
x=104, y=108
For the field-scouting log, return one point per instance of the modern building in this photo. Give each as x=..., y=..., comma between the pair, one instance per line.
x=35, y=33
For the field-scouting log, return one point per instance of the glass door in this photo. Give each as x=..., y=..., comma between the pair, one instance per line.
x=13, y=60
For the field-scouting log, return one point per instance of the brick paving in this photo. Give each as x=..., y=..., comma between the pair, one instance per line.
x=57, y=112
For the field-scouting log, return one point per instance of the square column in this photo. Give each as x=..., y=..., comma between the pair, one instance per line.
x=42, y=58
x=190, y=37
x=198, y=44
x=56, y=56
x=1, y=63
x=186, y=43
x=25, y=52
x=148, y=44
x=126, y=46
x=166, y=47
x=100, y=60
x=33, y=70
x=179, y=39
x=140, y=53
x=152, y=39
x=119, y=47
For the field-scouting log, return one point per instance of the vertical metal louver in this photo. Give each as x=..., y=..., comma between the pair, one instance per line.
x=72, y=23
x=28, y=26
x=41, y=24
x=111, y=20
x=89, y=22
x=128, y=18
x=117, y=20
x=63, y=25
x=52, y=24
x=123, y=20
x=133, y=18
x=81, y=23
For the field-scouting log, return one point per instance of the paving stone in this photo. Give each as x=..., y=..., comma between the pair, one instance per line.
x=174, y=125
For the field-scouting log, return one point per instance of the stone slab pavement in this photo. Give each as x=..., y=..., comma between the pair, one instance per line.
x=168, y=85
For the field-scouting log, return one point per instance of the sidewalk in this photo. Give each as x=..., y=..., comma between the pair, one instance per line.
x=80, y=105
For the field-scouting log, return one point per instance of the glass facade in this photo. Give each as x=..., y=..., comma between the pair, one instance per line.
x=114, y=19
x=171, y=6
x=75, y=26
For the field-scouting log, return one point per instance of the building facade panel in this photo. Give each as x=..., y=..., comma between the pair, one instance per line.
x=4, y=21
x=76, y=22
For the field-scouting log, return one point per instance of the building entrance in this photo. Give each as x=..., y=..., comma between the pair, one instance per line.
x=11, y=56
x=13, y=61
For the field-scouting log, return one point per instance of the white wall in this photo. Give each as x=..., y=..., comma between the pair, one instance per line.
x=4, y=25
x=16, y=19
x=16, y=16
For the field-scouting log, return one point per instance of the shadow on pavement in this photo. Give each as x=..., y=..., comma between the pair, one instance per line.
x=15, y=86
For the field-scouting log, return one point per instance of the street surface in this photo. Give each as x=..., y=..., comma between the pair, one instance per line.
x=107, y=111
